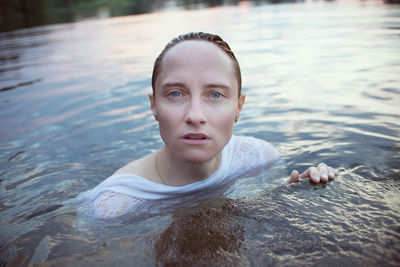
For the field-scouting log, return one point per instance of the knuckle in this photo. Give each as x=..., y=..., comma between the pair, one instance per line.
x=322, y=165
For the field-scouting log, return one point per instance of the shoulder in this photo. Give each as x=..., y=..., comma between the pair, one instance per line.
x=134, y=167
x=144, y=167
x=250, y=151
x=247, y=144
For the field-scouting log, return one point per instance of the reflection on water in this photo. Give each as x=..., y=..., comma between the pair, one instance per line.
x=322, y=84
x=212, y=236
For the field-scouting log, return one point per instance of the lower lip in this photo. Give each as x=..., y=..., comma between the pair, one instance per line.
x=195, y=142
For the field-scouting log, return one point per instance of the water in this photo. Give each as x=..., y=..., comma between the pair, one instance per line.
x=322, y=84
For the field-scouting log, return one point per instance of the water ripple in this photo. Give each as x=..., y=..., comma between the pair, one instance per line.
x=71, y=117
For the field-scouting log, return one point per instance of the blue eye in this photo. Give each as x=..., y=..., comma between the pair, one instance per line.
x=216, y=94
x=175, y=94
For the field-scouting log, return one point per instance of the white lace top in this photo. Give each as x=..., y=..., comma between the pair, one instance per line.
x=126, y=195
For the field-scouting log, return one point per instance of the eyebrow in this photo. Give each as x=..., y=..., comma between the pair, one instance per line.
x=219, y=85
x=173, y=84
x=209, y=85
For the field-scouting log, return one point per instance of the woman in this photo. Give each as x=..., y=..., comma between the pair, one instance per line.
x=196, y=99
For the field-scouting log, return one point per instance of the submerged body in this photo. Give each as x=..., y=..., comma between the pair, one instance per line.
x=124, y=196
x=197, y=100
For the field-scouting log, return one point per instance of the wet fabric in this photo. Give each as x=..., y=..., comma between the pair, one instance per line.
x=127, y=195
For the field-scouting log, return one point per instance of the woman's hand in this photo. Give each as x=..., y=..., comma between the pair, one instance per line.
x=321, y=173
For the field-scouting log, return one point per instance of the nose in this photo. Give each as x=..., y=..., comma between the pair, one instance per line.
x=195, y=114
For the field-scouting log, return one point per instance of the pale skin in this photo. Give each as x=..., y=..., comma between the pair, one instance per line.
x=197, y=102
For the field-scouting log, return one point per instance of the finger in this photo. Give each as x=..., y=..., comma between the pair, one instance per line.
x=294, y=177
x=311, y=173
x=323, y=171
x=314, y=175
x=331, y=172
x=305, y=174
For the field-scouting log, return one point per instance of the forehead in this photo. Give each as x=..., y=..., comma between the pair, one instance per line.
x=198, y=56
x=195, y=47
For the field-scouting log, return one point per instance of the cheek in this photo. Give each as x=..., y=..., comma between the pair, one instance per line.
x=224, y=113
x=168, y=121
x=223, y=119
x=166, y=113
x=227, y=119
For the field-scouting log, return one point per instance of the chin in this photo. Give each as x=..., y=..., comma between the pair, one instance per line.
x=198, y=157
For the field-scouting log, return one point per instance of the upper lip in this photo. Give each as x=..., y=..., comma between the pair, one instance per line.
x=195, y=135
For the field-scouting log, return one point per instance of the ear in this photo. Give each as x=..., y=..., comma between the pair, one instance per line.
x=242, y=99
x=152, y=103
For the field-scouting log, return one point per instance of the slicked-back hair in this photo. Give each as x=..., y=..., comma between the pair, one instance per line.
x=197, y=36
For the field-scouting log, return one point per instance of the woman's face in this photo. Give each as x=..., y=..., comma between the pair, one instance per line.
x=196, y=100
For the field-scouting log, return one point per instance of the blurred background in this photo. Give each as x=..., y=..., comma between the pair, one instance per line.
x=17, y=14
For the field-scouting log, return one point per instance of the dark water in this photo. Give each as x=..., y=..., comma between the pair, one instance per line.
x=322, y=84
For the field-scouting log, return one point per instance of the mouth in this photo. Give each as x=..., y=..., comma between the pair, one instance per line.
x=195, y=138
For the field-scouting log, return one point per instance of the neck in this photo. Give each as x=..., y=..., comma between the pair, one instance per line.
x=177, y=172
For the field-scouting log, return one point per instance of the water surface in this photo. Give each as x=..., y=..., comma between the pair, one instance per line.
x=322, y=84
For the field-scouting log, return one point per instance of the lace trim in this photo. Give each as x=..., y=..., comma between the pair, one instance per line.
x=251, y=154
x=109, y=205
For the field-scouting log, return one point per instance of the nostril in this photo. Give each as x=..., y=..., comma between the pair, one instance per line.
x=195, y=118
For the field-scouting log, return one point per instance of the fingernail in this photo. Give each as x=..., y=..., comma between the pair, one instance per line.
x=324, y=176
x=315, y=177
x=331, y=174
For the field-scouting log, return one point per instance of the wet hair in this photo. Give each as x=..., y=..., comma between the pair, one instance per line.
x=197, y=36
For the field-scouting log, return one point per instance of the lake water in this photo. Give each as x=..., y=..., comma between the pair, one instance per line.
x=322, y=83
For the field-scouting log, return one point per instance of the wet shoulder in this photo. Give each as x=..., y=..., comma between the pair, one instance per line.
x=249, y=152
x=144, y=167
